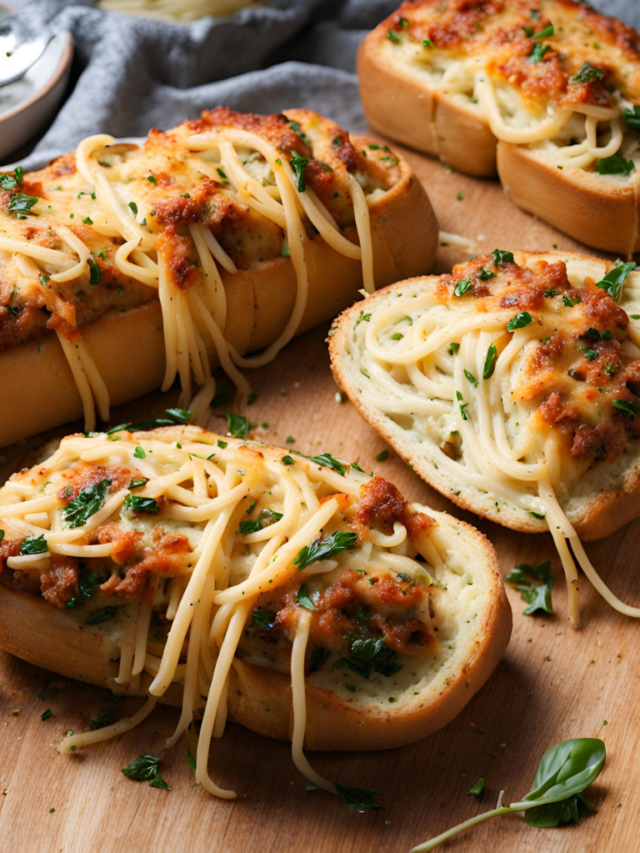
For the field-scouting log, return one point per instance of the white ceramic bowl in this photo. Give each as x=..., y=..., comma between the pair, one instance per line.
x=27, y=105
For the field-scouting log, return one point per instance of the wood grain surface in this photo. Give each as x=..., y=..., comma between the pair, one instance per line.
x=554, y=682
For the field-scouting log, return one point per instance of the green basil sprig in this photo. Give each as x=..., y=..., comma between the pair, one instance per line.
x=615, y=278
x=564, y=772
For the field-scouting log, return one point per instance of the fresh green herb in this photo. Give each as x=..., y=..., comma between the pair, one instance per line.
x=427, y=43
x=500, y=258
x=145, y=769
x=471, y=378
x=485, y=274
x=140, y=504
x=222, y=173
x=539, y=515
x=462, y=286
x=34, y=545
x=94, y=272
x=19, y=173
x=101, y=616
x=570, y=302
x=140, y=453
x=46, y=714
x=285, y=252
x=266, y=518
x=631, y=407
x=564, y=772
x=87, y=587
x=535, y=584
x=176, y=416
x=296, y=128
x=21, y=204
x=44, y=280
x=632, y=119
x=615, y=165
x=134, y=208
x=78, y=511
x=590, y=354
x=382, y=456
x=237, y=425
x=393, y=36
x=7, y=182
x=87, y=221
x=104, y=718
x=490, y=362
x=519, y=321
x=152, y=180
x=1, y=535
x=323, y=548
x=326, y=460
x=397, y=336
x=264, y=618
x=615, y=278
x=587, y=73
x=299, y=164
x=363, y=318
x=288, y=460
x=477, y=789
x=594, y=335
x=546, y=33
x=303, y=597
x=358, y=799
x=539, y=51
x=463, y=406
x=460, y=196
x=453, y=348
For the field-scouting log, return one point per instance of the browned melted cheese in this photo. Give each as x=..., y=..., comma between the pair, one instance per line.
x=503, y=31
x=163, y=182
x=578, y=367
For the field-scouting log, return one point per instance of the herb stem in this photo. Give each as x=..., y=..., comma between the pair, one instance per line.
x=445, y=836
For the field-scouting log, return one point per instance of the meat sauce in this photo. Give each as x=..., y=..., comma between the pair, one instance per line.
x=578, y=377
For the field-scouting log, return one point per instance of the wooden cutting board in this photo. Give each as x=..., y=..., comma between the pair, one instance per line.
x=554, y=682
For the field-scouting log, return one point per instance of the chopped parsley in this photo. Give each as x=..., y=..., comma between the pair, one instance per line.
x=145, y=769
x=299, y=165
x=535, y=584
x=519, y=321
x=462, y=286
x=615, y=278
x=615, y=165
x=78, y=511
x=587, y=73
x=490, y=362
x=323, y=548
x=139, y=504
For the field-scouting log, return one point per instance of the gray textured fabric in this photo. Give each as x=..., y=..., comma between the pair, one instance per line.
x=131, y=74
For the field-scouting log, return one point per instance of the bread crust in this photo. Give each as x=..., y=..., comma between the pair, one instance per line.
x=438, y=126
x=128, y=348
x=260, y=698
x=597, y=210
x=598, y=517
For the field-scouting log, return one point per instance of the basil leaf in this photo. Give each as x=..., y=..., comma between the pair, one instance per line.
x=142, y=426
x=7, y=182
x=538, y=52
x=303, y=598
x=615, y=165
x=34, y=545
x=266, y=517
x=324, y=548
x=587, y=73
x=567, y=769
x=94, y=272
x=358, y=799
x=103, y=719
x=615, y=278
x=145, y=769
x=632, y=118
x=299, y=164
x=327, y=460
x=499, y=256
x=139, y=504
x=535, y=586
x=490, y=362
x=78, y=511
x=21, y=204
x=264, y=618
x=180, y=416
x=630, y=407
x=478, y=788
x=462, y=286
x=519, y=321
x=547, y=32
x=471, y=378
x=238, y=425
x=571, y=810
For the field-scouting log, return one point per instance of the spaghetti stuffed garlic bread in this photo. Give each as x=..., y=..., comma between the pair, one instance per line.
x=545, y=92
x=294, y=595
x=511, y=386
x=123, y=266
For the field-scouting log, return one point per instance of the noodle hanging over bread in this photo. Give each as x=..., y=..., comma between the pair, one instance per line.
x=295, y=595
x=124, y=267
x=511, y=386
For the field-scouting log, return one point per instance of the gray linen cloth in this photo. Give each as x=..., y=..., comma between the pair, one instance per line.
x=131, y=74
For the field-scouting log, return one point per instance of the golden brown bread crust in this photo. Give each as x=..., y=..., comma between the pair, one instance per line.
x=599, y=516
x=259, y=698
x=437, y=125
x=572, y=201
x=129, y=348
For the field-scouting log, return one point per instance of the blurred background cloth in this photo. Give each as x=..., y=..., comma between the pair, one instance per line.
x=131, y=74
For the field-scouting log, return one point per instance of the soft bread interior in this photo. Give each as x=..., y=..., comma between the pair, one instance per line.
x=602, y=499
